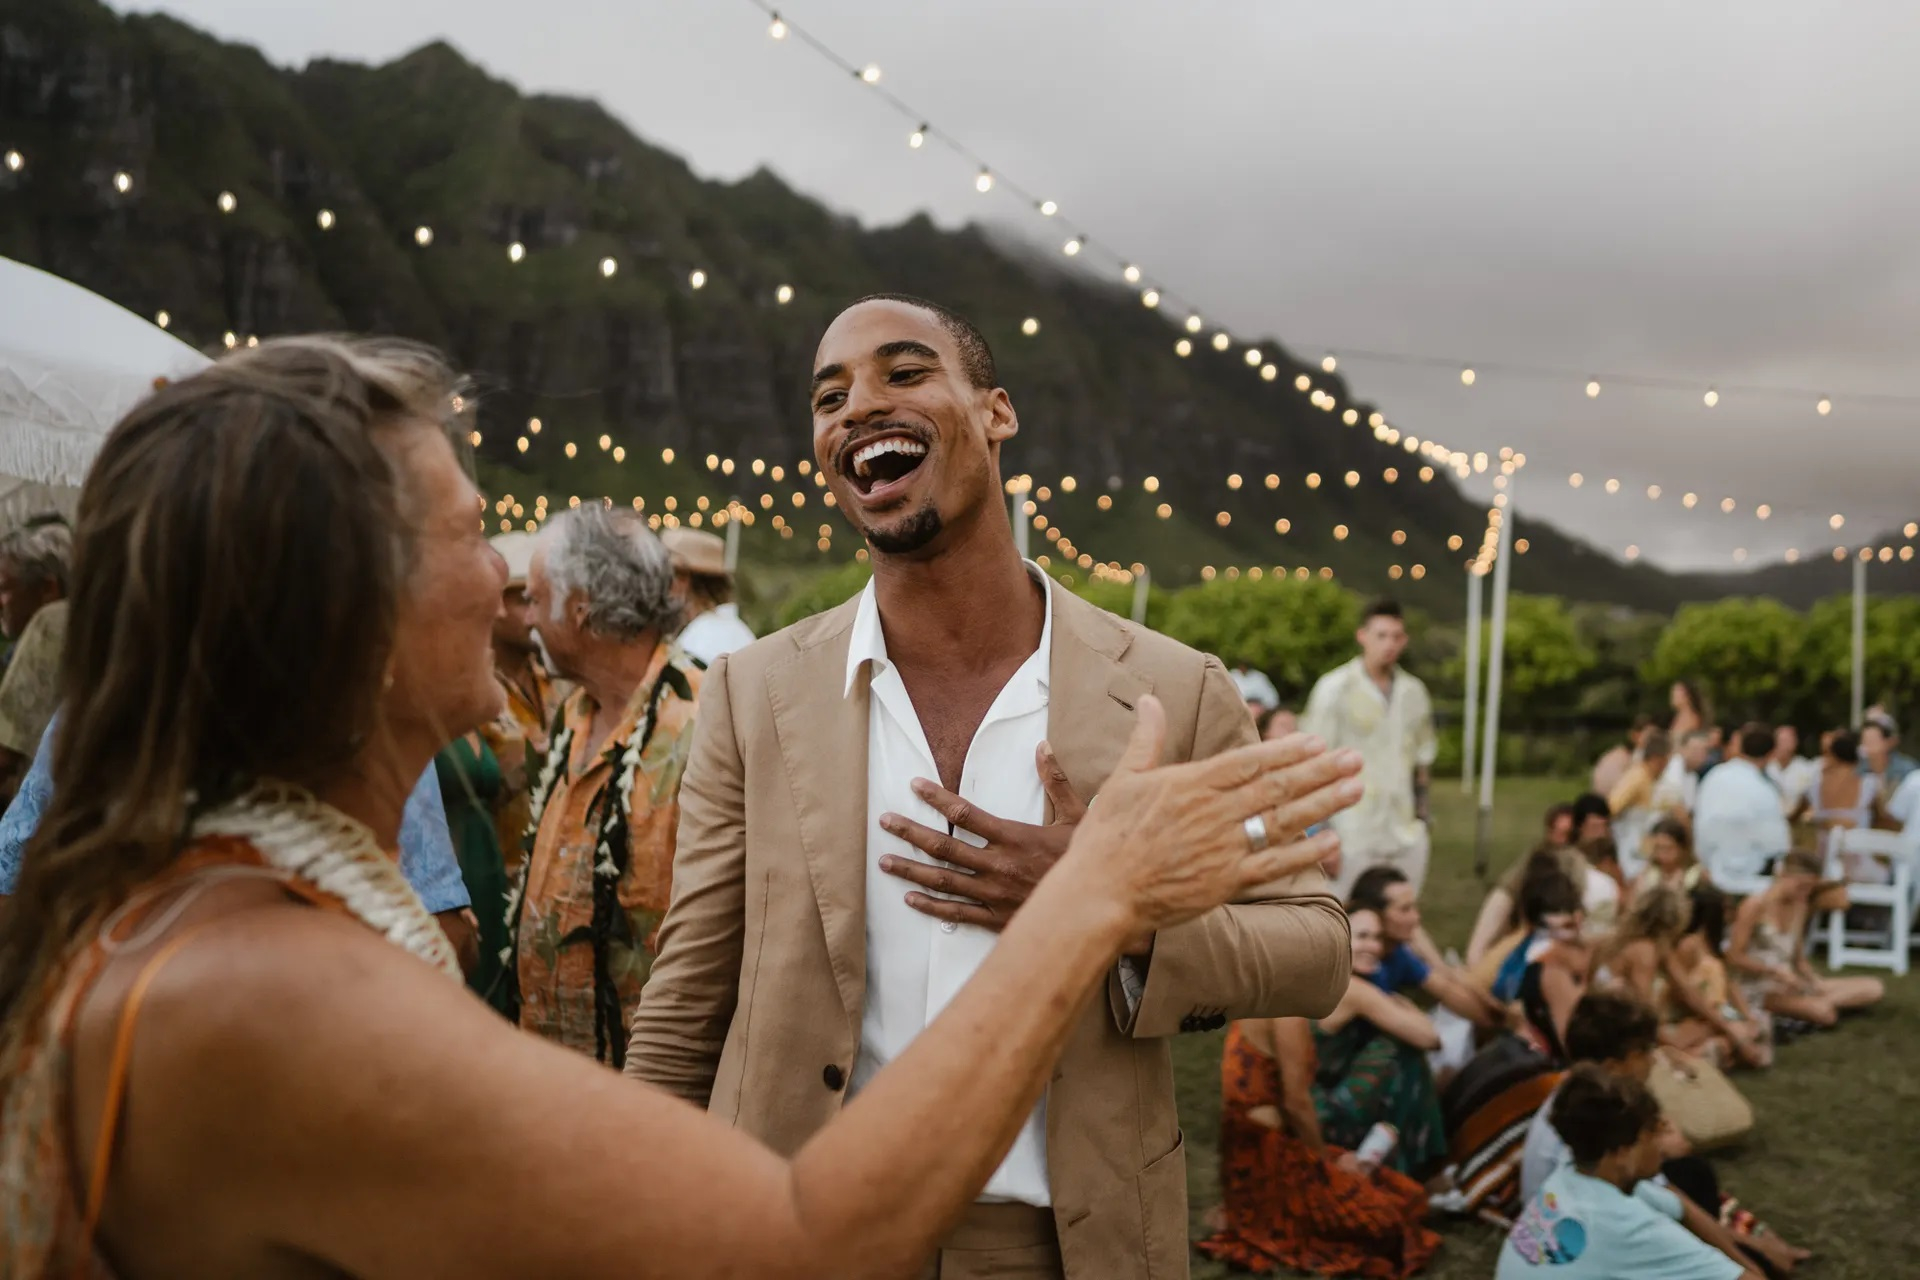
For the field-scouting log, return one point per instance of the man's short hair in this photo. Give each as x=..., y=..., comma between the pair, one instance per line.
x=613, y=559
x=1597, y=1114
x=1606, y=1026
x=1756, y=740
x=1546, y=889
x=1369, y=892
x=1382, y=608
x=1555, y=812
x=1884, y=723
x=976, y=357
x=1590, y=805
x=1656, y=745
x=40, y=554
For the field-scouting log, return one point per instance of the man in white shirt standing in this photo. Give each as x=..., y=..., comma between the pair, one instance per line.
x=1373, y=706
x=1739, y=827
x=873, y=793
x=704, y=585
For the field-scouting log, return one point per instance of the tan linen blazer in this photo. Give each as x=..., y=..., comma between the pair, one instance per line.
x=755, y=1003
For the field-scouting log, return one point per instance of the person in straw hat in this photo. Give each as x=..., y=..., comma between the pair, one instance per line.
x=704, y=586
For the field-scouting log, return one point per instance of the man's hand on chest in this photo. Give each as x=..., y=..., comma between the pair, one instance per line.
x=988, y=883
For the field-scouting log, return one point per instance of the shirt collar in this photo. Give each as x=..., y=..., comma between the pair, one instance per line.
x=868, y=643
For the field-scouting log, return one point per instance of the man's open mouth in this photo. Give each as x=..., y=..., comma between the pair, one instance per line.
x=880, y=464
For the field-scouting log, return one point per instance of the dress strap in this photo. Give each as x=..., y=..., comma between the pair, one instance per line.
x=117, y=1074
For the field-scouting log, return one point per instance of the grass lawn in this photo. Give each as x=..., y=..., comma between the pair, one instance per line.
x=1834, y=1159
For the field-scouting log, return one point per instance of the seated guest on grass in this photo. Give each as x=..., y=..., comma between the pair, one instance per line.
x=1702, y=982
x=1592, y=1219
x=1372, y=1051
x=1291, y=1195
x=1670, y=860
x=1641, y=959
x=1548, y=972
x=1768, y=952
x=1587, y=818
x=1620, y=1036
x=1410, y=958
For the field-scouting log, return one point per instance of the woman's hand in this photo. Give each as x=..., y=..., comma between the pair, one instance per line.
x=1169, y=843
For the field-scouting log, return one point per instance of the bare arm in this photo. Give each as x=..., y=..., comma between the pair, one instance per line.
x=1293, y=1050
x=1709, y=1230
x=1476, y=1006
x=395, y=1149
x=1397, y=1017
x=1496, y=915
x=1740, y=942
x=681, y=1022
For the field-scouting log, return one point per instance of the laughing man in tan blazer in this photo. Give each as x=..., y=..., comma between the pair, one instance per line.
x=829, y=895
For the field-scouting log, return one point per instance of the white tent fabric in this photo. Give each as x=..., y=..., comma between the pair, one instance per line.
x=71, y=364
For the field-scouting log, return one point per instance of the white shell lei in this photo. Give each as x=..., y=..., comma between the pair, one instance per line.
x=304, y=837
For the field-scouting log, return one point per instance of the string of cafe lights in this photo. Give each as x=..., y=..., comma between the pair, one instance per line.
x=1432, y=452
x=1156, y=295
x=1461, y=463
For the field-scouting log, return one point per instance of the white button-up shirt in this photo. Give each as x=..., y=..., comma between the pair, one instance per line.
x=1738, y=826
x=916, y=964
x=1393, y=731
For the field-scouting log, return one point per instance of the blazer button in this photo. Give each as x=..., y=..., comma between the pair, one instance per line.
x=833, y=1077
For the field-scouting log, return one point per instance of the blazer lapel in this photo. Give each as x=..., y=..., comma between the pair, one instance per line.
x=1091, y=696
x=823, y=740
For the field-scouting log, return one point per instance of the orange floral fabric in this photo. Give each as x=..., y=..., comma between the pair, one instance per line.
x=519, y=734
x=1286, y=1207
x=555, y=952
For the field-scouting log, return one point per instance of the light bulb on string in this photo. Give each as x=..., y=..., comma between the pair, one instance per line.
x=984, y=182
x=1328, y=364
x=1824, y=408
x=227, y=202
x=1253, y=357
x=1029, y=326
x=1072, y=247
x=1711, y=399
x=1221, y=341
x=697, y=279
x=783, y=295
x=1183, y=348
x=870, y=74
x=1269, y=372
x=607, y=267
x=324, y=219
x=1593, y=389
x=163, y=319
x=777, y=28
x=123, y=182
x=1302, y=382
x=15, y=162
x=918, y=138
x=1466, y=377
x=1150, y=299
x=423, y=235
x=1047, y=207
x=1130, y=273
x=1193, y=324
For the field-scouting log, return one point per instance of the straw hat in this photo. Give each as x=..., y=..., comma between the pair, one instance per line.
x=516, y=549
x=696, y=551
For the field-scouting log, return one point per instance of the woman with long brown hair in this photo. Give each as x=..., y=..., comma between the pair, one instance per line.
x=234, y=1044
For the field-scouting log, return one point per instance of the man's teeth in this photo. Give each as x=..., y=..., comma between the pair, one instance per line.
x=867, y=453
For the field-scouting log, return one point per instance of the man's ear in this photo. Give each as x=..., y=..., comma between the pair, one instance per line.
x=1002, y=423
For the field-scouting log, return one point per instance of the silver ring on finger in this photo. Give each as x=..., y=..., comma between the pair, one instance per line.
x=1256, y=829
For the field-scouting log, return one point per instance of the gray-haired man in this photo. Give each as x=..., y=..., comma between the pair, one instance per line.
x=606, y=798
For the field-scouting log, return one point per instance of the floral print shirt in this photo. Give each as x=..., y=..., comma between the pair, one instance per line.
x=576, y=822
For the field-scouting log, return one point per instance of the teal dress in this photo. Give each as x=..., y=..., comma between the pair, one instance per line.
x=470, y=783
x=1367, y=1076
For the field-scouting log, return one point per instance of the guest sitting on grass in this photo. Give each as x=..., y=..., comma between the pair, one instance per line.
x=1410, y=958
x=1620, y=1036
x=1768, y=952
x=1641, y=959
x=1670, y=859
x=1372, y=1060
x=1698, y=969
x=1291, y=1196
x=1549, y=971
x=1587, y=818
x=1593, y=1219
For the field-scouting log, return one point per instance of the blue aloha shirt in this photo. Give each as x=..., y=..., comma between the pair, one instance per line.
x=426, y=845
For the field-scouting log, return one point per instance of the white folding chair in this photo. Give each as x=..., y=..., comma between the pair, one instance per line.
x=1880, y=948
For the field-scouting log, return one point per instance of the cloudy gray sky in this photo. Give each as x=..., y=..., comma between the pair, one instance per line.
x=1714, y=192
